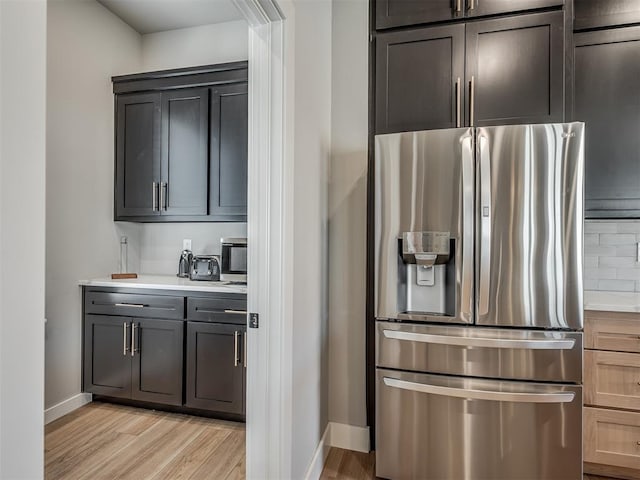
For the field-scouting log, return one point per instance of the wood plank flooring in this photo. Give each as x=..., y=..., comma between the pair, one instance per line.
x=105, y=441
x=347, y=465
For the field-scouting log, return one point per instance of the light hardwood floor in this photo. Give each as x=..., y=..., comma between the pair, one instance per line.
x=348, y=465
x=104, y=441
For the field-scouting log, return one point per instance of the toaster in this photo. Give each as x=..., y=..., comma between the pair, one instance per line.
x=205, y=267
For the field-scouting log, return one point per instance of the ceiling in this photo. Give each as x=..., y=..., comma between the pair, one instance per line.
x=149, y=16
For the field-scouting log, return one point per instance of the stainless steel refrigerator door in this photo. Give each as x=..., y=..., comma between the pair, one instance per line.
x=439, y=427
x=530, y=211
x=505, y=353
x=424, y=182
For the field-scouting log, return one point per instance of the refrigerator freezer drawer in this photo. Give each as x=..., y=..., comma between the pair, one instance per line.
x=436, y=427
x=481, y=352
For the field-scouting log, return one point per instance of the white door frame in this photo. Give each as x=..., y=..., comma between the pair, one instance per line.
x=269, y=235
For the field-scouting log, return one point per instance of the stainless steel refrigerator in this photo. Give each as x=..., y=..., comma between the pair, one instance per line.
x=478, y=302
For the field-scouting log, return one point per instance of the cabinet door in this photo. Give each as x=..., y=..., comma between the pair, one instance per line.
x=607, y=98
x=612, y=379
x=215, y=367
x=605, y=13
x=477, y=8
x=611, y=438
x=515, y=70
x=397, y=13
x=137, y=154
x=419, y=77
x=185, y=164
x=107, y=361
x=157, y=360
x=229, y=140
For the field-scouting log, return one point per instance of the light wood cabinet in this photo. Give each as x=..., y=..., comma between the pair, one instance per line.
x=612, y=394
x=612, y=437
x=612, y=379
x=613, y=331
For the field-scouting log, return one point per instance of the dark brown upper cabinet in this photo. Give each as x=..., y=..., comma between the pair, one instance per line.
x=138, y=125
x=607, y=99
x=181, y=150
x=229, y=137
x=185, y=162
x=605, y=13
x=515, y=70
x=401, y=13
x=398, y=13
x=419, y=79
x=477, y=8
x=488, y=72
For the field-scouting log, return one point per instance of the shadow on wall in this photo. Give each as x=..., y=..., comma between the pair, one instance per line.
x=347, y=287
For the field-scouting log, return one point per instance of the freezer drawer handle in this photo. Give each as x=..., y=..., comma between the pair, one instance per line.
x=470, y=394
x=565, y=344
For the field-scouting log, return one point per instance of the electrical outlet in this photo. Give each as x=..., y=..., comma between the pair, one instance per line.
x=186, y=244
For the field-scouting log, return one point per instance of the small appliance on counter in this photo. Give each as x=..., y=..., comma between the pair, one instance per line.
x=234, y=259
x=184, y=264
x=205, y=267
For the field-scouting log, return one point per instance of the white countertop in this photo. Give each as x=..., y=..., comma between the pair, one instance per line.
x=612, y=301
x=166, y=282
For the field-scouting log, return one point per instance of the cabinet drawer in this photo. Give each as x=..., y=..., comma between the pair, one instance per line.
x=612, y=437
x=219, y=309
x=134, y=305
x=612, y=379
x=615, y=331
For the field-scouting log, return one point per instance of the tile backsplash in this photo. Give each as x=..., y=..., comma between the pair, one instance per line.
x=611, y=254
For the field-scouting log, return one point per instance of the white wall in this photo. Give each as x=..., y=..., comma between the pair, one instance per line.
x=87, y=44
x=22, y=237
x=160, y=245
x=187, y=47
x=348, y=213
x=312, y=144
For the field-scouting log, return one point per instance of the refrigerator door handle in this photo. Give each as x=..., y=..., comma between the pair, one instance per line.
x=471, y=394
x=485, y=225
x=468, y=181
x=528, y=344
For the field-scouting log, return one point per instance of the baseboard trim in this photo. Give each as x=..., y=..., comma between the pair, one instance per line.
x=66, y=406
x=349, y=437
x=320, y=456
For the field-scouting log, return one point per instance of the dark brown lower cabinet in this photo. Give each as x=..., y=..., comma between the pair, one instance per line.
x=216, y=367
x=107, y=363
x=137, y=358
x=156, y=372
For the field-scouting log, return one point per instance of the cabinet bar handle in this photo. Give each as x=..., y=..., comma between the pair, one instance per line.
x=458, y=6
x=163, y=195
x=235, y=348
x=245, y=349
x=154, y=197
x=133, y=339
x=125, y=349
x=472, y=100
x=471, y=5
x=237, y=312
x=134, y=305
x=458, y=124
